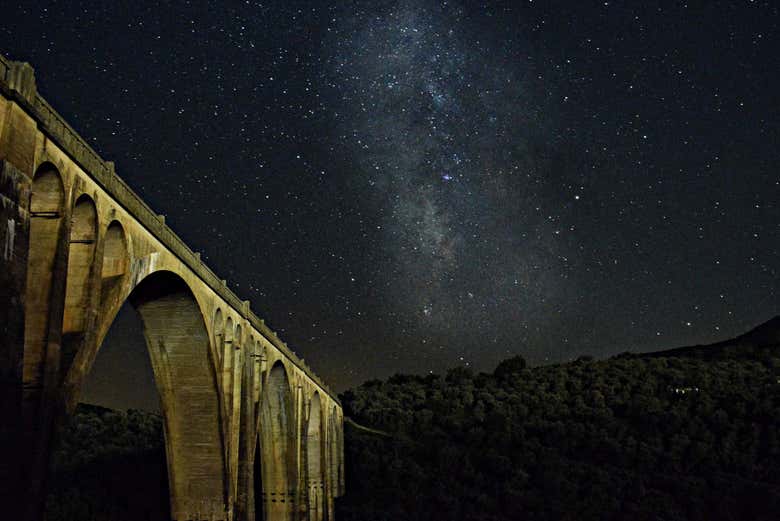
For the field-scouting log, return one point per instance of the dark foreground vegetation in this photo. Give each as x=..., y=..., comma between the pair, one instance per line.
x=689, y=434
x=109, y=466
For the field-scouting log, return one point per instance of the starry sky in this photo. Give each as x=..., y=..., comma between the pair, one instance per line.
x=408, y=186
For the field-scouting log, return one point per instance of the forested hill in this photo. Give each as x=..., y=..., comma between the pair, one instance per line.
x=109, y=466
x=757, y=343
x=692, y=434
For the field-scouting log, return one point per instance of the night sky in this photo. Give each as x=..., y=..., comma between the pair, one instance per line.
x=407, y=186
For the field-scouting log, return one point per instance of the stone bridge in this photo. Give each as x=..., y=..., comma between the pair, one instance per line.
x=75, y=244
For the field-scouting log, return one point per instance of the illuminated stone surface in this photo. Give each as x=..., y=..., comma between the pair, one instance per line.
x=77, y=243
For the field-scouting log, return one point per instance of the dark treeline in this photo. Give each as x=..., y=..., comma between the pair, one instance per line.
x=690, y=434
x=682, y=437
x=109, y=465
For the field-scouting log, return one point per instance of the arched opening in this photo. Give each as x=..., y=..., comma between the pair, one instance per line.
x=117, y=433
x=236, y=372
x=177, y=343
x=218, y=329
x=76, y=318
x=83, y=235
x=46, y=210
x=276, y=444
x=227, y=366
x=114, y=252
x=258, y=361
x=122, y=376
x=115, y=265
x=314, y=467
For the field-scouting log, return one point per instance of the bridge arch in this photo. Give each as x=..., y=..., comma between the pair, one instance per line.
x=179, y=348
x=48, y=192
x=217, y=327
x=227, y=349
x=277, y=456
x=235, y=370
x=229, y=331
x=116, y=254
x=81, y=254
x=258, y=358
x=218, y=332
x=78, y=319
x=47, y=200
x=113, y=270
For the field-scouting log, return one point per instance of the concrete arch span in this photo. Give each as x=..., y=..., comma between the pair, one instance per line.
x=181, y=357
x=179, y=349
x=277, y=448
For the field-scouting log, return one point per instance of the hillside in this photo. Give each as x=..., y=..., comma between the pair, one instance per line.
x=762, y=341
x=689, y=434
x=110, y=465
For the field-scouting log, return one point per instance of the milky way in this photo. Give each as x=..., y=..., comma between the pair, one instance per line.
x=406, y=186
x=442, y=125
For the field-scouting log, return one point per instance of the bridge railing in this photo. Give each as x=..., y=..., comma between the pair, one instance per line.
x=55, y=126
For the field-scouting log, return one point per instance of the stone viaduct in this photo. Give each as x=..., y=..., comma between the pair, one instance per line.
x=76, y=243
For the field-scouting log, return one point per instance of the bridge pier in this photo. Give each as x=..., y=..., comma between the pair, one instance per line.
x=250, y=431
